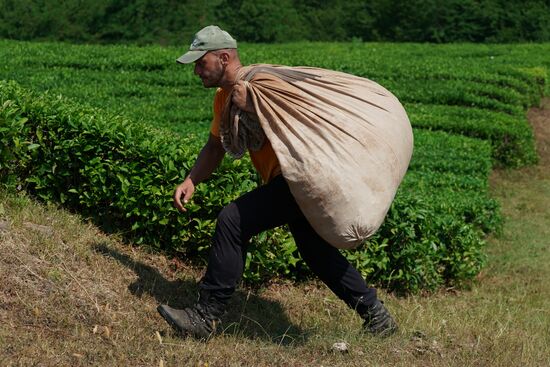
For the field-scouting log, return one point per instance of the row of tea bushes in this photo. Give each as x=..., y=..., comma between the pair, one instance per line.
x=474, y=90
x=122, y=173
x=511, y=137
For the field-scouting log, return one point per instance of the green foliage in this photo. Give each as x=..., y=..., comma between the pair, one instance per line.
x=175, y=22
x=112, y=165
x=261, y=20
x=120, y=174
x=141, y=21
x=123, y=174
x=14, y=153
x=510, y=136
x=477, y=91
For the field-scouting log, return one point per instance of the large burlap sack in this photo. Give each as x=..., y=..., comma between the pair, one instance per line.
x=343, y=142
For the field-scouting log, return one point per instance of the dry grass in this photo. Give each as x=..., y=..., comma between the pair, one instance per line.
x=73, y=296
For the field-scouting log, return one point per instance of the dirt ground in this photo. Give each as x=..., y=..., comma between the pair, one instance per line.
x=539, y=117
x=73, y=296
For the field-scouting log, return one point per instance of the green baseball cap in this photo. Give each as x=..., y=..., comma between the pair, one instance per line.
x=207, y=39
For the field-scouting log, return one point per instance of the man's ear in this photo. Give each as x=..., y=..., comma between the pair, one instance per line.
x=224, y=57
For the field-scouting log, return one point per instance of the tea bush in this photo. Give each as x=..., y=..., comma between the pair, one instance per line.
x=122, y=175
x=116, y=166
x=474, y=90
x=510, y=136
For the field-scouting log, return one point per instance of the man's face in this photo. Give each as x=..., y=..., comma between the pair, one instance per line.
x=210, y=69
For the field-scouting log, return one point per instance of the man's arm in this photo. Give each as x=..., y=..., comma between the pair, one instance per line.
x=208, y=160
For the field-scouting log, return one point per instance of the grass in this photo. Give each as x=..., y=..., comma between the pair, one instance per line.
x=73, y=296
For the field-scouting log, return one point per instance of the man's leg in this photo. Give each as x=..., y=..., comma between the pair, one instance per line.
x=266, y=207
x=341, y=277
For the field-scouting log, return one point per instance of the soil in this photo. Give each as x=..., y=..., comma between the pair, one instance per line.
x=539, y=117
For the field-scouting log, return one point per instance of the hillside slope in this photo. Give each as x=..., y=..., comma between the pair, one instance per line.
x=72, y=295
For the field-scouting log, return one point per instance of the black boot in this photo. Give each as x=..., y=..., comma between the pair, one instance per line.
x=378, y=320
x=199, y=321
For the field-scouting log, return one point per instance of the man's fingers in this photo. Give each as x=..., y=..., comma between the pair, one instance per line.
x=177, y=200
x=183, y=194
x=239, y=93
x=187, y=196
x=178, y=205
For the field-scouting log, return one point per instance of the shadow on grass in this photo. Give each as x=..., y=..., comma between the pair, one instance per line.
x=248, y=315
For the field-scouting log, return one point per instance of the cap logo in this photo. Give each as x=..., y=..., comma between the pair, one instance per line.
x=196, y=43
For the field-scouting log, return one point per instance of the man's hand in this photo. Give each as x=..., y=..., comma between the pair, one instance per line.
x=185, y=189
x=209, y=158
x=240, y=97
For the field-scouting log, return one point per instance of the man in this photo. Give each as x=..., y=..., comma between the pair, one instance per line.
x=217, y=63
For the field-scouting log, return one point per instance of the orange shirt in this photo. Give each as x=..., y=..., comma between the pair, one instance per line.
x=264, y=160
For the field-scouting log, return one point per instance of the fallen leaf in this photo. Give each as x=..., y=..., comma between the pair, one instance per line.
x=341, y=347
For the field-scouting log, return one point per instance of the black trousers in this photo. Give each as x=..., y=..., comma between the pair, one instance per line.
x=267, y=207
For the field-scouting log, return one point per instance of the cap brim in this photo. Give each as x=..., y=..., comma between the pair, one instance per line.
x=190, y=56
